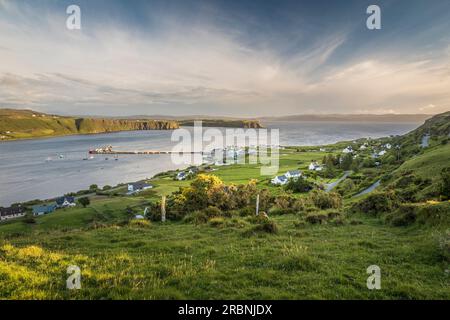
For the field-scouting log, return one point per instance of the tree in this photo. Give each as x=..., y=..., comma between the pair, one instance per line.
x=84, y=201
x=347, y=161
x=299, y=185
x=93, y=187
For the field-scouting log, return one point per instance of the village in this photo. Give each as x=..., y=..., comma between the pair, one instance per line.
x=232, y=155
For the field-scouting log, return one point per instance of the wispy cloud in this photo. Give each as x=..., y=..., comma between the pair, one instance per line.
x=198, y=68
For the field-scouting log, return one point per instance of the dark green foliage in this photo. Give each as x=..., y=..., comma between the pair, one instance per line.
x=326, y=200
x=29, y=220
x=262, y=224
x=377, y=203
x=405, y=215
x=84, y=201
x=436, y=214
x=445, y=186
x=299, y=185
x=347, y=161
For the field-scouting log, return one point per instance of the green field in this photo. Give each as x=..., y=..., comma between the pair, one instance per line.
x=229, y=257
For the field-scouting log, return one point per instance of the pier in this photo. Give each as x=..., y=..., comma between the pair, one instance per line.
x=113, y=152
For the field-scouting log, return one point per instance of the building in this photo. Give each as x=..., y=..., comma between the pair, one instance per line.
x=279, y=180
x=181, y=176
x=11, y=213
x=293, y=174
x=381, y=153
x=349, y=149
x=65, y=202
x=40, y=210
x=138, y=186
x=314, y=166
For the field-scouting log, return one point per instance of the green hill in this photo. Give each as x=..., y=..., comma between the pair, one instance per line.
x=21, y=124
x=309, y=247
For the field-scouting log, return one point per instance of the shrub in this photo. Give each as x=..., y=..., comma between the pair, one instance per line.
x=326, y=200
x=84, y=201
x=445, y=186
x=300, y=184
x=247, y=211
x=262, y=224
x=197, y=217
x=139, y=223
x=403, y=216
x=316, y=218
x=377, y=203
x=301, y=205
x=217, y=222
x=29, y=220
x=434, y=214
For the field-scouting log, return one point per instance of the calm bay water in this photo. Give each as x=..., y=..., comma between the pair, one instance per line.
x=26, y=171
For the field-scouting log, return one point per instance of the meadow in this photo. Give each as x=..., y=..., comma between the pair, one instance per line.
x=229, y=257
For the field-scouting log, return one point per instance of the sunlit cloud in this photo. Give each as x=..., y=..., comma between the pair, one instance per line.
x=108, y=68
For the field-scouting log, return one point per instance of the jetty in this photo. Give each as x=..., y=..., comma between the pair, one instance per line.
x=109, y=150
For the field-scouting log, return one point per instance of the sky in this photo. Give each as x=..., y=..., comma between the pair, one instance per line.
x=231, y=58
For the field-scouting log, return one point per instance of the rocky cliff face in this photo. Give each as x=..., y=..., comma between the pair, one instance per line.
x=224, y=123
x=89, y=125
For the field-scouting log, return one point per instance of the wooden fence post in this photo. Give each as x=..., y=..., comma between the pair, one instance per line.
x=163, y=209
x=257, y=204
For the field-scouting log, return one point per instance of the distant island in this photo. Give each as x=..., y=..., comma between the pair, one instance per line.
x=27, y=124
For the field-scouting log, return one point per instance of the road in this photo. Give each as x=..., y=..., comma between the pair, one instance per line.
x=332, y=185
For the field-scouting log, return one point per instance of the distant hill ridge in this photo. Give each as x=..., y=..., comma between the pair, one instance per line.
x=25, y=124
x=353, y=117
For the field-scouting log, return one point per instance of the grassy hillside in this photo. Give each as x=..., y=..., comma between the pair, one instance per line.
x=309, y=250
x=23, y=124
x=20, y=124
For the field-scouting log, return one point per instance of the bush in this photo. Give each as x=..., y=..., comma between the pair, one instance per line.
x=326, y=200
x=139, y=223
x=445, y=186
x=29, y=220
x=377, y=203
x=247, y=211
x=316, y=218
x=434, y=214
x=84, y=201
x=262, y=224
x=298, y=185
x=217, y=222
x=403, y=216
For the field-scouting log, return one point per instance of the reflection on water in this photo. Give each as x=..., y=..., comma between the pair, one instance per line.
x=44, y=168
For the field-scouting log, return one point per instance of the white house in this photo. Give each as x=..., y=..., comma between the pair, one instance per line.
x=66, y=202
x=293, y=174
x=314, y=166
x=279, y=180
x=349, y=149
x=138, y=186
x=388, y=146
x=363, y=147
x=382, y=153
x=181, y=176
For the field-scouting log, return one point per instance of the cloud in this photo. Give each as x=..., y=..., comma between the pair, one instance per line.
x=190, y=68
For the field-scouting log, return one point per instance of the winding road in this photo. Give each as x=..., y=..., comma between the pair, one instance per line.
x=331, y=186
x=369, y=189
